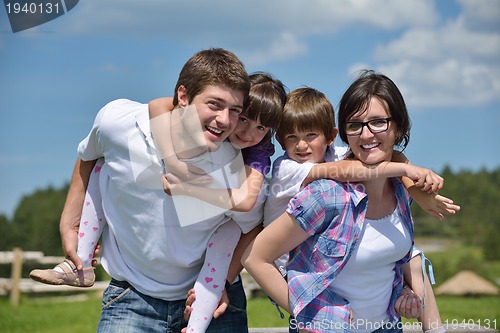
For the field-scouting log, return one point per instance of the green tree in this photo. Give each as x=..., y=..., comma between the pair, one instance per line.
x=5, y=226
x=478, y=222
x=35, y=225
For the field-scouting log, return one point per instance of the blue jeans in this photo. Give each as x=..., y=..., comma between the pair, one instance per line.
x=124, y=309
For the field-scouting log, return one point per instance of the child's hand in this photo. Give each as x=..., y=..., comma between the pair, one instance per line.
x=172, y=185
x=408, y=304
x=189, y=173
x=424, y=178
x=196, y=176
x=438, y=206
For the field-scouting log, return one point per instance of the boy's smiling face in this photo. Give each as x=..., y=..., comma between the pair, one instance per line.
x=306, y=146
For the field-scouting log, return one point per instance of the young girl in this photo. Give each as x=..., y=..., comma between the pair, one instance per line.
x=347, y=242
x=253, y=135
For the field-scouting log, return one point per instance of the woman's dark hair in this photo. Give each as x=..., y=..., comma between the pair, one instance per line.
x=368, y=85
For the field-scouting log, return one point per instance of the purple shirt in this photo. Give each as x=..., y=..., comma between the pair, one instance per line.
x=258, y=157
x=333, y=214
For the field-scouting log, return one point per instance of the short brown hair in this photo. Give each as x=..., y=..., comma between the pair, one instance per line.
x=212, y=67
x=307, y=109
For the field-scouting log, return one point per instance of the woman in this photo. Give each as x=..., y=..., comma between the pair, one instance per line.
x=347, y=241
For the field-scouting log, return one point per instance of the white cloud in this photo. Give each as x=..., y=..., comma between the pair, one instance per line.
x=451, y=40
x=285, y=47
x=263, y=30
x=438, y=62
x=302, y=17
x=455, y=64
x=448, y=83
x=481, y=12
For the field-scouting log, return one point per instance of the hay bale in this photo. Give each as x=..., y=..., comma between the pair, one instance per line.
x=467, y=283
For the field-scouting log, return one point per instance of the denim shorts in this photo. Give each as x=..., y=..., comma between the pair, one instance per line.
x=124, y=309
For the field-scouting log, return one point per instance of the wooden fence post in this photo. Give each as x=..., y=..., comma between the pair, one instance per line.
x=17, y=265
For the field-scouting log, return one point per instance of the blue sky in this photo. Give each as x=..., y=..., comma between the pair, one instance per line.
x=54, y=78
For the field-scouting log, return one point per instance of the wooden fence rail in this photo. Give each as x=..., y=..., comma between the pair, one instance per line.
x=37, y=256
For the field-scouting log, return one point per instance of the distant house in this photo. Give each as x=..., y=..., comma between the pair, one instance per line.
x=467, y=283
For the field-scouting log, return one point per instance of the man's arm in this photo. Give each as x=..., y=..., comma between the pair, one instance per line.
x=72, y=211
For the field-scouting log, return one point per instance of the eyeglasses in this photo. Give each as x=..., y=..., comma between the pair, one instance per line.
x=375, y=126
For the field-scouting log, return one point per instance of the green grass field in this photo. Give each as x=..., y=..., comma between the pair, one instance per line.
x=62, y=314
x=37, y=314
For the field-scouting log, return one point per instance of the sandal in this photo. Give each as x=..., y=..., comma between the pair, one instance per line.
x=70, y=277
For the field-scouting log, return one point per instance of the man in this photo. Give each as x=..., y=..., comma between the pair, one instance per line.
x=152, y=258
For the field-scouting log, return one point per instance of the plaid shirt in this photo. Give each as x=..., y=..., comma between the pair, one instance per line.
x=333, y=213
